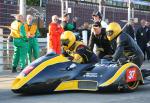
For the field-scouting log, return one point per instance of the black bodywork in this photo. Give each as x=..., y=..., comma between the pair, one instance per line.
x=90, y=76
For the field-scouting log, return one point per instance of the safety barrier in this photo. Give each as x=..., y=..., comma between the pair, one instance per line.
x=6, y=50
x=1, y=46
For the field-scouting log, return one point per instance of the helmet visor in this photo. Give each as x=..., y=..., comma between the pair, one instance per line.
x=64, y=42
x=109, y=33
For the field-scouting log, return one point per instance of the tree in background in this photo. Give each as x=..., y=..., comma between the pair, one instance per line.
x=147, y=0
x=33, y=2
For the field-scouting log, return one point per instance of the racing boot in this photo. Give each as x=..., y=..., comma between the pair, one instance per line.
x=21, y=69
x=14, y=70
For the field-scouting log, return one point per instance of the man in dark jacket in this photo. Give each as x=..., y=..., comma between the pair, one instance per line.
x=99, y=38
x=86, y=32
x=148, y=44
x=142, y=37
x=130, y=29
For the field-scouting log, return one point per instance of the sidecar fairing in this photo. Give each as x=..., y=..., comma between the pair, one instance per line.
x=56, y=73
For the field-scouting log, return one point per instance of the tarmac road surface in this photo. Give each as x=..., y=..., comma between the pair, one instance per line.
x=142, y=95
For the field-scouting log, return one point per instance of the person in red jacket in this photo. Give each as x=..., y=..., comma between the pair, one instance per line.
x=55, y=31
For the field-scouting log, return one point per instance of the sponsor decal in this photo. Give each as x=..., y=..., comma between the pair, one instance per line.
x=131, y=74
x=93, y=75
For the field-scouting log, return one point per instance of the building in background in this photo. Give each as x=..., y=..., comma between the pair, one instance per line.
x=7, y=9
x=116, y=10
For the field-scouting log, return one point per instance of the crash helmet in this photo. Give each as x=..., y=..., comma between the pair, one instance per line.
x=113, y=30
x=67, y=39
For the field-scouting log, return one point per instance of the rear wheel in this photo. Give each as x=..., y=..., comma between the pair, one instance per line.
x=132, y=85
x=132, y=81
x=129, y=87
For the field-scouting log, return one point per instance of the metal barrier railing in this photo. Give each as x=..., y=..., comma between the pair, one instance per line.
x=6, y=50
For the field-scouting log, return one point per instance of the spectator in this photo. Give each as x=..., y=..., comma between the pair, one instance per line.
x=99, y=38
x=142, y=37
x=86, y=32
x=32, y=33
x=147, y=24
x=66, y=25
x=20, y=42
x=55, y=31
x=148, y=44
x=130, y=29
x=97, y=17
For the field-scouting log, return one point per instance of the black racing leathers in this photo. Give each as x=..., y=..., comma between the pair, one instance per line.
x=127, y=46
x=130, y=30
x=103, y=46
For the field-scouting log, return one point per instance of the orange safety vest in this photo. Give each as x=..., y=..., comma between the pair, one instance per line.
x=31, y=29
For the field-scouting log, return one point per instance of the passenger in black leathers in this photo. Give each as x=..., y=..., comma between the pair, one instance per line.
x=126, y=46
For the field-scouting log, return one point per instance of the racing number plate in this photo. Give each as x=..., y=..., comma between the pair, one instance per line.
x=131, y=74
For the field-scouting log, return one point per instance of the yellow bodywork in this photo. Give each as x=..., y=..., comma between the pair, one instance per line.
x=20, y=80
x=68, y=85
x=117, y=74
x=73, y=85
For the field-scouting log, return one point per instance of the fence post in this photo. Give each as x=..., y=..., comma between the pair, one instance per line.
x=129, y=10
x=7, y=53
x=48, y=38
x=85, y=37
x=1, y=52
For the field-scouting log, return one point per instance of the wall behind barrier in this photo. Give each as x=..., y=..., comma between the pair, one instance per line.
x=84, y=11
x=6, y=10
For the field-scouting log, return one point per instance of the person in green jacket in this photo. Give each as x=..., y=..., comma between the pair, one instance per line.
x=32, y=33
x=66, y=25
x=20, y=42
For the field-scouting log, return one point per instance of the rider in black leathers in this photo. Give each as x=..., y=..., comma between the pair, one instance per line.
x=126, y=46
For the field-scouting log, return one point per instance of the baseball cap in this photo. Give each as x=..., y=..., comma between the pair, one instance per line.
x=97, y=13
x=66, y=14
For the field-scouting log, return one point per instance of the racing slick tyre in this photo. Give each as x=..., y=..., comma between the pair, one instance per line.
x=131, y=86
